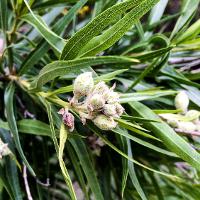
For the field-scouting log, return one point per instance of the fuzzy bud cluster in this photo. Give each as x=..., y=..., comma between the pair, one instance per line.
x=98, y=103
x=186, y=120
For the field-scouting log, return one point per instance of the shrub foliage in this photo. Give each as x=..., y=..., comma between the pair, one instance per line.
x=149, y=50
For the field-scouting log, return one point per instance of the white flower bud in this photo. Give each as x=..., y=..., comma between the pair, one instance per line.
x=112, y=97
x=193, y=115
x=101, y=88
x=187, y=126
x=182, y=101
x=173, y=122
x=4, y=150
x=119, y=109
x=198, y=127
x=104, y=122
x=110, y=110
x=96, y=102
x=83, y=85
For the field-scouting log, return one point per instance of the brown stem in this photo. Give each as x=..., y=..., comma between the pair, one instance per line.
x=193, y=133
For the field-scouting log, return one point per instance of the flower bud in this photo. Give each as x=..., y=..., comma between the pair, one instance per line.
x=173, y=122
x=187, y=126
x=68, y=118
x=198, y=127
x=193, y=115
x=96, y=102
x=110, y=110
x=4, y=150
x=169, y=116
x=112, y=97
x=100, y=88
x=104, y=122
x=182, y=101
x=119, y=109
x=83, y=85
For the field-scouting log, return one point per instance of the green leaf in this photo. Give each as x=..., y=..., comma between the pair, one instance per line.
x=106, y=141
x=190, y=33
x=123, y=146
x=157, y=11
x=78, y=171
x=10, y=169
x=30, y=126
x=81, y=151
x=133, y=175
x=188, y=11
x=60, y=68
x=125, y=133
x=170, y=139
x=152, y=54
x=3, y=15
x=105, y=77
x=51, y=3
x=137, y=119
x=145, y=95
x=95, y=27
x=113, y=34
x=59, y=148
x=43, y=46
x=63, y=138
x=8, y=100
x=54, y=40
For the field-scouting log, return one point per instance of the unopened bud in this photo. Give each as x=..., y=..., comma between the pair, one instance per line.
x=193, y=115
x=110, y=110
x=68, y=118
x=112, y=97
x=187, y=126
x=101, y=88
x=4, y=150
x=96, y=102
x=83, y=85
x=119, y=109
x=173, y=123
x=104, y=122
x=198, y=127
x=182, y=101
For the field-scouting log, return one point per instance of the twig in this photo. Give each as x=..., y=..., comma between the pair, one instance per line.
x=47, y=184
x=26, y=183
x=193, y=133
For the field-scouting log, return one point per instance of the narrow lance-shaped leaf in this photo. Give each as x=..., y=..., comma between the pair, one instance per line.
x=54, y=40
x=190, y=33
x=125, y=133
x=95, y=27
x=123, y=145
x=43, y=46
x=133, y=175
x=63, y=138
x=81, y=151
x=8, y=99
x=59, y=68
x=59, y=148
x=188, y=10
x=10, y=167
x=113, y=34
x=172, y=141
x=106, y=141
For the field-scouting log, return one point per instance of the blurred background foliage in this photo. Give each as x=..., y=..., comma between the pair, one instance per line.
x=149, y=48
